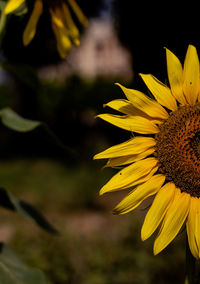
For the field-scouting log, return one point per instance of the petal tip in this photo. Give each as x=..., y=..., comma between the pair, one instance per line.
x=102, y=191
x=115, y=211
x=144, y=236
x=156, y=251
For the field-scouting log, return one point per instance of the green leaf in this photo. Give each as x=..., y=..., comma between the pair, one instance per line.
x=15, y=122
x=14, y=271
x=10, y=202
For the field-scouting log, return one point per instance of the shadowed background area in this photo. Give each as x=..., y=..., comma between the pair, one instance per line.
x=94, y=246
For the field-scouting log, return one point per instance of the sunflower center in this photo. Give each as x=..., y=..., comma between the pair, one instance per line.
x=178, y=149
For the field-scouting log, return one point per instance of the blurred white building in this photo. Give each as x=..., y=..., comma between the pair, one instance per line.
x=99, y=54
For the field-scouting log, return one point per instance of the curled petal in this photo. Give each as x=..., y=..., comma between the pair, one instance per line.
x=160, y=91
x=145, y=104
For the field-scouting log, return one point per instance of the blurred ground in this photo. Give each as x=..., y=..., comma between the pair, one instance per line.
x=94, y=246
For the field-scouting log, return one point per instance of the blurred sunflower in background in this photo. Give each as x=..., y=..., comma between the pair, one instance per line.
x=165, y=158
x=63, y=25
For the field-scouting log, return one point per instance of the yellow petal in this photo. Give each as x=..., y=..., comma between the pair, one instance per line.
x=131, y=123
x=175, y=76
x=64, y=44
x=129, y=175
x=158, y=209
x=74, y=32
x=133, y=146
x=191, y=227
x=12, y=5
x=123, y=106
x=160, y=91
x=191, y=75
x=173, y=220
x=126, y=107
x=133, y=199
x=57, y=17
x=197, y=230
x=120, y=161
x=30, y=29
x=145, y=104
x=79, y=14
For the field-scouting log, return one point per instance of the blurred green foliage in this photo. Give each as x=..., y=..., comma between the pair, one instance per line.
x=68, y=108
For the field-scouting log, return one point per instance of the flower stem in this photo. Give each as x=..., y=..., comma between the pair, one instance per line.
x=190, y=266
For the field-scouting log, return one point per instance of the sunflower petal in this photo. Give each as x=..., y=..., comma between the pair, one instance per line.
x=173, y=220
x=129, y=175
x=120, y=161
x=197, y=231
x=64, y=44
x=191, y=227
x=175, y=76
x=133, y=146
x=12, y=5
x=123, y=106
x=160, y=91
x=131, y=123
x=74, y=32
x=79, y=14
x=132, y=200
x=145, y=104
x=30, y=29
x=157, y=211
x=57, y=17
x=191, y=75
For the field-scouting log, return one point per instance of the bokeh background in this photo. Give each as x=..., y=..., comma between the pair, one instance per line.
x=94, y=246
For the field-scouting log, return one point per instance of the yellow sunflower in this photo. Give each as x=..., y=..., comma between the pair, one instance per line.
x=165, y=159
x=62, y=22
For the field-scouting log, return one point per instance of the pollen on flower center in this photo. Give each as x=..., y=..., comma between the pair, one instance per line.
x=178, y=149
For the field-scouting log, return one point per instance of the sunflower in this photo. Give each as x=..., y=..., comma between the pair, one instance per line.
x=64, y=28
x=164, y=160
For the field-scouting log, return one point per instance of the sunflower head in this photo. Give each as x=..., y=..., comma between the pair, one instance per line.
x=164, y=159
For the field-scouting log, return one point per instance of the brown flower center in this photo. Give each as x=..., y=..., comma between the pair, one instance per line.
x=178, y=149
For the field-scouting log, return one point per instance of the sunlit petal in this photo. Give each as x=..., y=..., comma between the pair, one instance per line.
x=191, y=75
x=131, y=123
x=145, y=104
x=133, y=146
x=127, y=176
x=120, y=161
x=175, y=76
x=173, y=220
x=157, y=211
x=160, y=91
x=191, y=227
x=131, y=201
